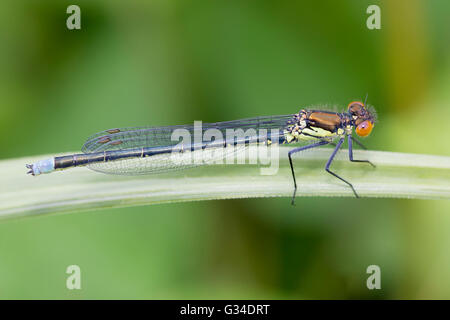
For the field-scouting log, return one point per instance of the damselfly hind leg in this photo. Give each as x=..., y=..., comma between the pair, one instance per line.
x=310, y=146
x=327, y=166
x=350, y=151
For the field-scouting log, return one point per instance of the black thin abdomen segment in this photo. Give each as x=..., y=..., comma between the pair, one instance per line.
x=82, y=159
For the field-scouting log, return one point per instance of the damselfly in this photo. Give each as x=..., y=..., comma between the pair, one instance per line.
x=145, y=150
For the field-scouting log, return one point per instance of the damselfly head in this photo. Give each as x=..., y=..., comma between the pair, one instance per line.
x=363, y=117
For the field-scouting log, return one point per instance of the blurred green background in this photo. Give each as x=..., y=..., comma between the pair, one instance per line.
x=171, y=62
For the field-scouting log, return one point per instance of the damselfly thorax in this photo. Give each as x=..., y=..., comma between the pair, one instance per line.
x=316, y=124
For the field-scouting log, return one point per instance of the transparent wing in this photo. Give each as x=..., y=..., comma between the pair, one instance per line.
x=138, y=137
x=212, y=135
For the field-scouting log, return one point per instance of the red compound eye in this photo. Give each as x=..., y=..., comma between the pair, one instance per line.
x=364, y=128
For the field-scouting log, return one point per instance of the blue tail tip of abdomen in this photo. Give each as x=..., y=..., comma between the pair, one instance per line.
x=42, y=166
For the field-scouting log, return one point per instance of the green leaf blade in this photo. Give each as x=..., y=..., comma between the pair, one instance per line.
x=398, y=175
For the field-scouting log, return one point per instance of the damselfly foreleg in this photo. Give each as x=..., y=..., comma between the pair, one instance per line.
x=359, y=143
x=350, y=151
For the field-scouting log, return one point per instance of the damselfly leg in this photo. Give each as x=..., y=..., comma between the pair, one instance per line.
x=327, y=166
x=330, y=160
x=359, y=143
x=310, y=146
x=350, y=151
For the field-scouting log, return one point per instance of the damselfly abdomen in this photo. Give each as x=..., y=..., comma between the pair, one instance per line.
x=146, y=150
